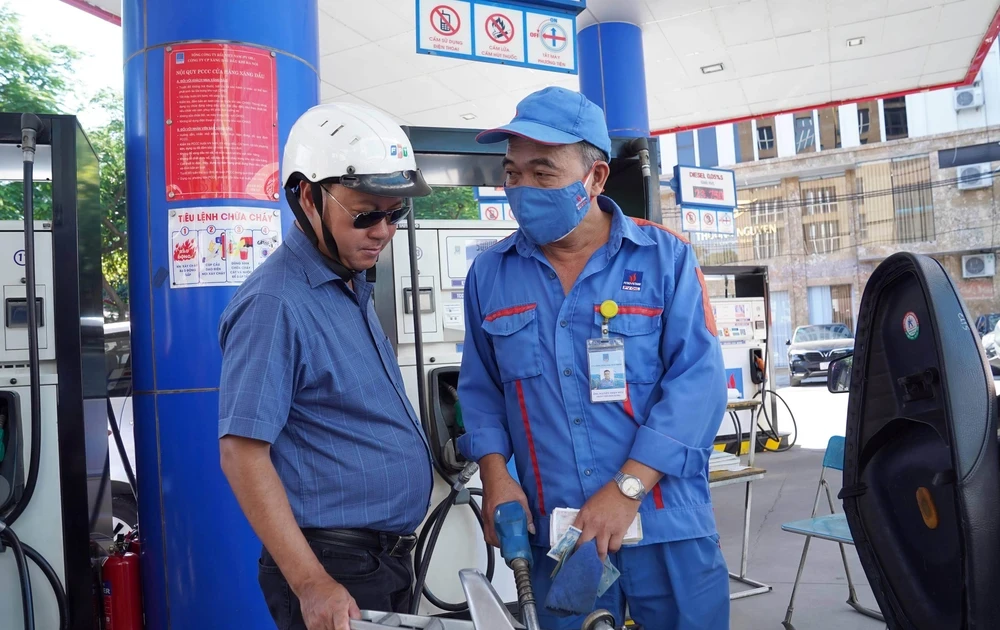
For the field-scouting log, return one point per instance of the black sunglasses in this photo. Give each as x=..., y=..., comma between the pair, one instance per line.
x=365, y=220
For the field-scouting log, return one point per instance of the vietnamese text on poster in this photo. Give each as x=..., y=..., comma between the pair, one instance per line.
x=221, y=115
x=220, y=246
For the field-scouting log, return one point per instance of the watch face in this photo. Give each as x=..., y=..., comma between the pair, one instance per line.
x=631, y=486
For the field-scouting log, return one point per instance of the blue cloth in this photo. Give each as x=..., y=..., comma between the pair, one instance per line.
x=307, y=368
x=574, y=589
x=525, y=382
x=682, y=585
x=555, y=115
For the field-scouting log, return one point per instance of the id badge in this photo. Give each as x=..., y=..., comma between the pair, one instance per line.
x=606, y=358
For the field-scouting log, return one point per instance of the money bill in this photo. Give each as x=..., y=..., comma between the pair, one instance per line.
x=566, y=544
x=608, y=577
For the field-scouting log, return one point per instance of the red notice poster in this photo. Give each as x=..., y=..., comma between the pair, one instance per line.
x=221, y=109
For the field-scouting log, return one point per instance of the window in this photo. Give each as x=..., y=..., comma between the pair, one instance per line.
x=685, y=148
x=840, y=299
x=829, y=128
x=760, y=223
x=805, y=133
x=868, y=122
x=895, y=118
x=824, y=215
x=765, y=138
x=744, y=141
x=895, y=201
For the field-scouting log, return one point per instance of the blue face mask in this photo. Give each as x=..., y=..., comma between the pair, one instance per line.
x=546, y=215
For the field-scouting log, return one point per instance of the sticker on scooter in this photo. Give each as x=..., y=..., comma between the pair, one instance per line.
x=911, y=326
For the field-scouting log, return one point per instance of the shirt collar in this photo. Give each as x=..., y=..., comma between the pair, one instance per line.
x=622, y=227
x=314, y=264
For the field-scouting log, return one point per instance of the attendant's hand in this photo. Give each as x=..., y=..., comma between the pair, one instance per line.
x=499, y=488
x=606, y=518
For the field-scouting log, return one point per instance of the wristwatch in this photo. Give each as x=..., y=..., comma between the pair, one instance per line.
x=630, y=485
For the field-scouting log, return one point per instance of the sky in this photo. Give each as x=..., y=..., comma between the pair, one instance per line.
x=98, y=42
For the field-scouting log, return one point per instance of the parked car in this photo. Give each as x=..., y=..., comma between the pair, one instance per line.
x=986, y=323
x=812, y=348
x=989, y=341
x=118, y=357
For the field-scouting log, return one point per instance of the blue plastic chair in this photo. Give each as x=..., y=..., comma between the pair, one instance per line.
x=831, y=526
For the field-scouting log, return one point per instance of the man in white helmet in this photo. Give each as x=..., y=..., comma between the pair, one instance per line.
x=317, y=438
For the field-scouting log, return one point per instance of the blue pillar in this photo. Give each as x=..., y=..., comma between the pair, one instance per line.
x=199, y=554
x=612, y=74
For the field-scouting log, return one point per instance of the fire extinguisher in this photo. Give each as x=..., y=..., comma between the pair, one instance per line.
x=121, y=588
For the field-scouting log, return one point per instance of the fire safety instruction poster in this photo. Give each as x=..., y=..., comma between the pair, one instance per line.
x=221, y=115
x=220, y=245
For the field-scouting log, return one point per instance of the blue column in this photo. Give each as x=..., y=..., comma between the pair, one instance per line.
x=612, y=74
x=199, y=554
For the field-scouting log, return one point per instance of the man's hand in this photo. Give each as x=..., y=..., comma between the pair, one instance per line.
x=606, y=518
x=326, y=605
x=499, y=488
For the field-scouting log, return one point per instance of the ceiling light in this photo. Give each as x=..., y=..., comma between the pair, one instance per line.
x=469, y=116
x=857, y=41
x=715, y=67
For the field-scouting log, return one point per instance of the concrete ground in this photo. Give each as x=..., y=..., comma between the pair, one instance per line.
x=786, y=494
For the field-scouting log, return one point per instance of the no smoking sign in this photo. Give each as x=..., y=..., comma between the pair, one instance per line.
x=499, y=34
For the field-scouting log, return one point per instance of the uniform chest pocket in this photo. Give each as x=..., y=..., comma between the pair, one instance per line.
x=514, y=332
x=641, y=327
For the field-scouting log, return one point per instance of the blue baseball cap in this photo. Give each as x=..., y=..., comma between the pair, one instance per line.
x=554, y=116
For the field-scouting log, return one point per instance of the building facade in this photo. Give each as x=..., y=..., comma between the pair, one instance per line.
x=826, y=195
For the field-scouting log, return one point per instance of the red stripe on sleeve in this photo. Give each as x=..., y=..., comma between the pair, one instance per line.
x=531, y=446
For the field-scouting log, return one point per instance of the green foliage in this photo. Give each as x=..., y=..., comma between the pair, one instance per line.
x=447, y=202
x=34, y=76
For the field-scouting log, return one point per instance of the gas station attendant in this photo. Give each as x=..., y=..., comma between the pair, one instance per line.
x=579, y=288
x=317, y=437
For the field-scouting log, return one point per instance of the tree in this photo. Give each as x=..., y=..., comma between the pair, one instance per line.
x=35, y=77
x=447, y=202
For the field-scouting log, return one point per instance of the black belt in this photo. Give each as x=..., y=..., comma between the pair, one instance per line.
x=397, y=546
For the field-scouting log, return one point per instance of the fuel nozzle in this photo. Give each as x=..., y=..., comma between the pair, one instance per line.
x=30, y=126
x=640, y=147
x=511, y=525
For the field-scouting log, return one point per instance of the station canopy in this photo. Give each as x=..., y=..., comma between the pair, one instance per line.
x=776, y=56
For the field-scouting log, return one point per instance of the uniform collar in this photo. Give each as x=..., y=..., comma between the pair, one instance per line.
x=313, y=263
x=622, y=227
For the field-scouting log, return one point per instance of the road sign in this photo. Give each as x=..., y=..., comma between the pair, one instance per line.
x=444, y=26
x=500, y=33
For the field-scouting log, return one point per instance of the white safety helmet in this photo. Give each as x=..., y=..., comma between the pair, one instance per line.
x=357, y=147
x=360, y=145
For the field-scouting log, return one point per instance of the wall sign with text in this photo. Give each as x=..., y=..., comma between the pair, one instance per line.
x=221, y=122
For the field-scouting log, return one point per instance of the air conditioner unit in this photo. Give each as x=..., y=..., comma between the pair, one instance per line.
x=975, y=176
x=979, y=266
x=968, y=97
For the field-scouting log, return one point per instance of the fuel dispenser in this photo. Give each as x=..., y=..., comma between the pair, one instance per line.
x=430, y=259
x=55, y=493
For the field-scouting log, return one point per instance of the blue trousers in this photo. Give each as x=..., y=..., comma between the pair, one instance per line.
x=680, y=585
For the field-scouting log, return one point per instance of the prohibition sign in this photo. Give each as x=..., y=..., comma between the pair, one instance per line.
x=500, y=28
x=492, y=213
x=691, y=217
x=445, y=20
x=709, y=220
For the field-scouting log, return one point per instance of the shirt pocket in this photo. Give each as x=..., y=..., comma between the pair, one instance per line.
x=640, y=325
x=514, y=332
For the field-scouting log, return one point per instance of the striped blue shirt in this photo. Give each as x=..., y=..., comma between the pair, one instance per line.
x=307, y=368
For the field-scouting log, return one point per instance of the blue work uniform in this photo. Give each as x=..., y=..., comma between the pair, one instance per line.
x=308, y=369
x=526, y=391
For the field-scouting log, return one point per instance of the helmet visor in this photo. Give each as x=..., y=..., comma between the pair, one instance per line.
x=398, y=184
